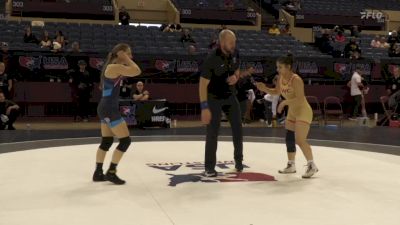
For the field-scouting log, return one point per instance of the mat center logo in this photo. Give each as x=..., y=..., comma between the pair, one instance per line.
x=225, y=169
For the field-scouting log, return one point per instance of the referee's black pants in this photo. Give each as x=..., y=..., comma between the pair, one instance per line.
x=231, y=108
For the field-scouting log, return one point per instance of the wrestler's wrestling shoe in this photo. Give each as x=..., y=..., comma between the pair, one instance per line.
x=98, y=176
x=290, y=168
x=111, y=176
x=311, y=170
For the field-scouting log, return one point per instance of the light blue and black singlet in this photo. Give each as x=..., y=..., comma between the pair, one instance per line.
x=108, y=108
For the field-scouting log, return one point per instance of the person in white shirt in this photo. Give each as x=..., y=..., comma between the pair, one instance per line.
x=273, y=101
x=384, y=43
x=271, y=105
x=356, y=87
x=375, y=43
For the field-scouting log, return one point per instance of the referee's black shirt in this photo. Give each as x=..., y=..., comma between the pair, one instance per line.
x=217, y=67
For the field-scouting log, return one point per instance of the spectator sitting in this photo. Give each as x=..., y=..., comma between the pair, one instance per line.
x=169, y=28
x=75, y=47
x=383, y=42
x=337, y=28
x=45, y=42
x=340, y=37
x=59, y=40
x=172, y=27
x=286, y=30
x=163, y=26
x=124, y=16
x=29, y=37
x=6, y=83
x=141, y=94
x=274, y=30
x=351, y=47
x=5, y=55
x=393, y=89
x=8, y=113
x=178, y=28
x=394, y=50
x=325, y=42
x=355, y=31
x=356, y=55
x=186, y=37
x=376, y=42
x=393, y=38
x=192, y=50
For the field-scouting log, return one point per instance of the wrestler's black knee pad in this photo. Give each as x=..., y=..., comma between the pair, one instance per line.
x=124, y=144
x=106, y=143
x=290, y=141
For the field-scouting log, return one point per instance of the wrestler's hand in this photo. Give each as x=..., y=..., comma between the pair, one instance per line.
x=281, y=106
x=205, y=116
x=232, y=80
x=261, y=86
x=124, y=57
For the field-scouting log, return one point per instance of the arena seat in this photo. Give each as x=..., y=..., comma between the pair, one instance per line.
x=338, y=12
x=364, y=41
x=102, y=38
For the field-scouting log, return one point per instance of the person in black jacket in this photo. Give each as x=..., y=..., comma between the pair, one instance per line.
x=29, y=37
x=82, y=85
x=8, y=113
x=186, y=37
x=124, y=16
x=217, y=90
x=6, y=82
x=351, y=47
x=393, y=89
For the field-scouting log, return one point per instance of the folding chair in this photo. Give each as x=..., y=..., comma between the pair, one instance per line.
x=333, y=110
x=316, y=108
x=388, y=112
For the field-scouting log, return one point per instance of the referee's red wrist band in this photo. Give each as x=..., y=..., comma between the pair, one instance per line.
x=204, y=105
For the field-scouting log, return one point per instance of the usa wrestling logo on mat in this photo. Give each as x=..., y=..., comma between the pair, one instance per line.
x=176, y=178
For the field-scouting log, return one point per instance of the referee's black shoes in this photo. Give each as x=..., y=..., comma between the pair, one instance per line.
x=239, y=166
x=210, y=173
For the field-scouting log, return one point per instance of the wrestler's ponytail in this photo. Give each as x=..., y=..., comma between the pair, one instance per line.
x=110, y=58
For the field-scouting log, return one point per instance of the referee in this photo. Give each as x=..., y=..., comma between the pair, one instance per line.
x=220, y=72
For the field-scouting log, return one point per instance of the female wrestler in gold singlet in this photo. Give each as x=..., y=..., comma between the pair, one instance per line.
x=298, y=120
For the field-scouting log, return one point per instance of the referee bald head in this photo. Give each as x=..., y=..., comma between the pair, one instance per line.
x=227, y=41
